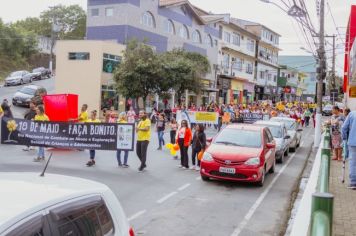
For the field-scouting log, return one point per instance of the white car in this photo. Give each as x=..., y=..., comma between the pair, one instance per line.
x=293, y=130
x=58, y=205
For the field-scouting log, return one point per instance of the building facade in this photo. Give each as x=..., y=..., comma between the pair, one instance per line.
x=236, y=58
x=267, y=60
x=307, y=66
x=85, y=67
x=163, y=24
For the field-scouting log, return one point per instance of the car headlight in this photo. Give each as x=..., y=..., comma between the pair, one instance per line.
x=28, y=100
x=207, y=157
x=253, y=161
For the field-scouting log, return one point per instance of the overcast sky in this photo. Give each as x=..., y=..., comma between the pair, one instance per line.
x=253, y=10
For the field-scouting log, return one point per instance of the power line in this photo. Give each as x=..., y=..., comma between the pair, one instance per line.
x=332, y=17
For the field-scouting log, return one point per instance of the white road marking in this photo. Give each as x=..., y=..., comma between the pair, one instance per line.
x=184, y=187
x=138, y=214
x=198, y=178
x=258, y=202
x=166, y=197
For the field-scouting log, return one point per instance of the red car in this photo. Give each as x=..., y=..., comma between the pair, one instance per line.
x=240, y=152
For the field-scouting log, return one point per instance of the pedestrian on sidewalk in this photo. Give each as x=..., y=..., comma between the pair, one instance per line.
x=122, y=120
x=184, y=138
x=92, y=119
x=336, y=122
x=349, y=135
x=160, y=127
x=143, y=131
x=40, y=116
x=173, y=132
x=198, y=144
x=30, y=115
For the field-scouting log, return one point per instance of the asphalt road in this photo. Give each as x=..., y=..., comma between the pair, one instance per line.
x=166, y=200
x=8, y=92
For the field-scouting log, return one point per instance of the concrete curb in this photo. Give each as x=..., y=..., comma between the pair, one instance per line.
x=296, y=192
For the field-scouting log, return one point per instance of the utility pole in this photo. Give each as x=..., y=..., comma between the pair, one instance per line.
x=333, y=81
x=321, y=75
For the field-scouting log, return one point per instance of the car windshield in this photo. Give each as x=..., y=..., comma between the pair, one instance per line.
x=276, y=131
x=290, y=124
x=16, y=73
x=27, y=90
x=239, y=137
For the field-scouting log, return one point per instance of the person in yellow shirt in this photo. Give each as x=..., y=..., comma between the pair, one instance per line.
x=92, y=119
x=143, y=131
x=83, y=116
x=1, y=112
x=122, y=120
x=40, y=116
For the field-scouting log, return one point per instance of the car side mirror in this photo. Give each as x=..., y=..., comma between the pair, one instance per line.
x=287, y=137
x=270, y=145
x=299, y=130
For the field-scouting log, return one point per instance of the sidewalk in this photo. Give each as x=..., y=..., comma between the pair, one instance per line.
x=344, y=223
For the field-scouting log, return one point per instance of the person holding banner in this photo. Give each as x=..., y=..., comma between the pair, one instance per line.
x=143, y=131
x=83, y=116
x=92, y=119
x=122, y=120
x=184, y=138
x=40, y=116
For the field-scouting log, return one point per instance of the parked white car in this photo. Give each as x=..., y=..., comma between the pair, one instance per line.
x=18, y=77
x=293, y=130
x=280, y=135
x=58, y=205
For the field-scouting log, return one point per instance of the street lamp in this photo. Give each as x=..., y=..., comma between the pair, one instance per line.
x=294, y=11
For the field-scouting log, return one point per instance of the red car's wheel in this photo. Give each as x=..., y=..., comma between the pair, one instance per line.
x=262, y=180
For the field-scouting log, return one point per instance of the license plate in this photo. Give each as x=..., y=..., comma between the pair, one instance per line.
x=19, y=102
x=227, y=170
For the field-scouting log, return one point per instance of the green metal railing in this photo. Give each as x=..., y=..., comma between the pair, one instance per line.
x=322, y=200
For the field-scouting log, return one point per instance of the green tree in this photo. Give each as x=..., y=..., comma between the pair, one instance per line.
x=140, y=72
x=184, y=70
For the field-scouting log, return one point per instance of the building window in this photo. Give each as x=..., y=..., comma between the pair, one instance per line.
x=196, y=36
x=250, y=45
x=169, y=26
x=227, y=37
x=184, y=32
x=79, y=56
x=275, y=78
x=226, y=61
x=237, y=64
x=94, y=12
x=249, y=68
x=109, y=97
x=109, y=11
x=147, y=19
x=110, y=62
x=262, y=74
x=283, y=74
x=236, y=39
x=269, y=77
x=209, y=40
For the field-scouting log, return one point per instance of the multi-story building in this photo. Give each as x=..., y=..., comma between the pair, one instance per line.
x=163, y=24
x=237, y=50
x=288, y=83
x=306, y=65
x=267, y=60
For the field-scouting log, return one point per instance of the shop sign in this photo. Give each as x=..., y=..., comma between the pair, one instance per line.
x=352, y=92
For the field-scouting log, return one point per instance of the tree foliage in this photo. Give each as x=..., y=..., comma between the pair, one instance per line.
x=143, y=71
x=140, y=72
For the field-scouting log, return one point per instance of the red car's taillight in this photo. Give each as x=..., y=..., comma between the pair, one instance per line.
x=131, y=232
